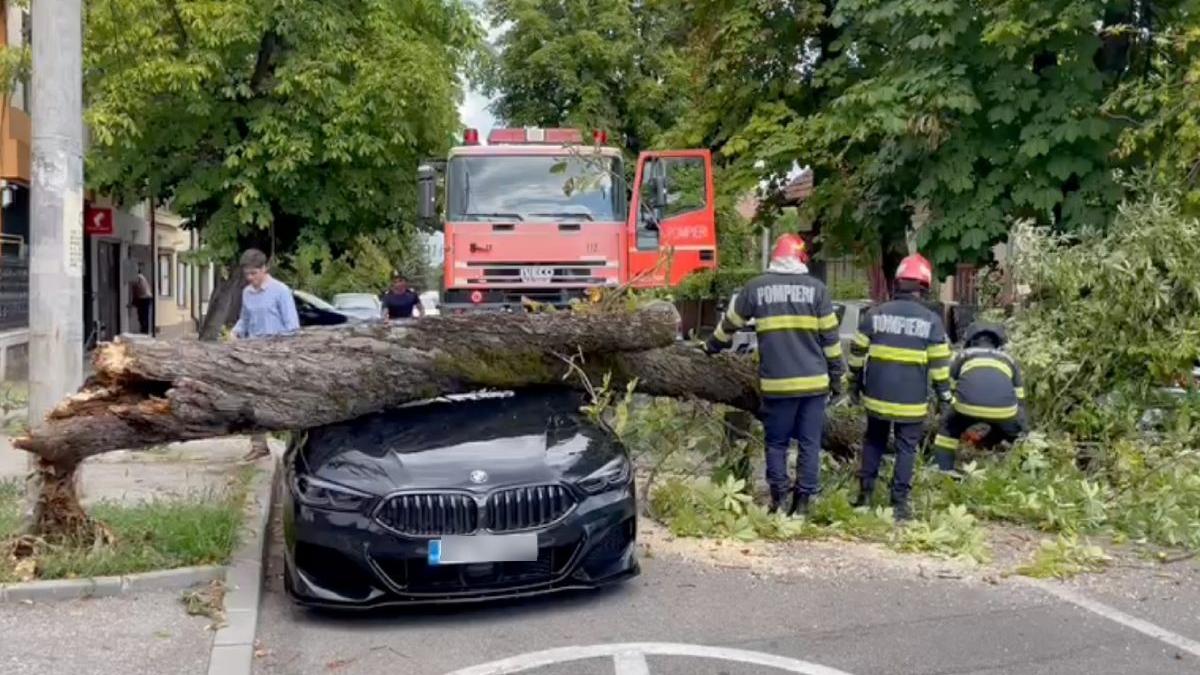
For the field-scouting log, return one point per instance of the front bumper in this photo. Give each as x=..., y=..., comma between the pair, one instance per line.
x=508, y=299
x=348, y=560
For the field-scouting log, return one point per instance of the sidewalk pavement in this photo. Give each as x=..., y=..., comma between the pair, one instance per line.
x=132, y=477
x=147, y=632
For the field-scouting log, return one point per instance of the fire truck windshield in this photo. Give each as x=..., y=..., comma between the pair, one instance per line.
x=535, y=188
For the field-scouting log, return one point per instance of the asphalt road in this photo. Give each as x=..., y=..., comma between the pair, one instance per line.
x=142, y=633
x=867, y=618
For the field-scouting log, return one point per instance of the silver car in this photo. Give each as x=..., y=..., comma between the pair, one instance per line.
x=429, y=303
x=363, y=306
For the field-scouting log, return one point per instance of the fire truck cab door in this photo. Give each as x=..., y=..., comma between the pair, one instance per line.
x=672, y=218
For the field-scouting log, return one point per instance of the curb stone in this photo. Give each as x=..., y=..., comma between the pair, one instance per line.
x=233, y=643
x=106, y=587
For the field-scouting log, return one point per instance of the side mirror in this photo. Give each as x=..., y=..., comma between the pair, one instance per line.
x=650, y=218
x=658, y=193
x=426, y=193
x=655, y=204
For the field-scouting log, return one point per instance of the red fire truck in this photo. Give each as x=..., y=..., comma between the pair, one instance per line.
x=539, y=214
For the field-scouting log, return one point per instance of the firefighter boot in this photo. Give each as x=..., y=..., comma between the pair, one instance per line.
x=776, y=506
x=799, y=505
x=901, y=511
x=945, y=460
x=865, y=489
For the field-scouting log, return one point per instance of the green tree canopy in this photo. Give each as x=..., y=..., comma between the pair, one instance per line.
x=591, y=64
x=962, y=115
x=974, y=113
x=1161, y=109
x=248, y=114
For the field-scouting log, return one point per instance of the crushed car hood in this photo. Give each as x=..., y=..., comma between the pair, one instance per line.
x=518, y=439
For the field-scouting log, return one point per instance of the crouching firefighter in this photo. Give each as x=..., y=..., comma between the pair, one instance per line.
x=899, y=348
x=800, y=364
x=987, y=390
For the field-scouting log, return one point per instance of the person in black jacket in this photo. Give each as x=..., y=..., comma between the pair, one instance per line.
x=899, y=348
x=800, y=364
x=987, y=389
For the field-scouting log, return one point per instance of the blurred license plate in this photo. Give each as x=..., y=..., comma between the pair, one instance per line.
x=483, y=548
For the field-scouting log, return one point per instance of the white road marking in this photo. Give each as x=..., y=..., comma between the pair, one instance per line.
x=1113, y=614
x=630, y=663
x=523, y=662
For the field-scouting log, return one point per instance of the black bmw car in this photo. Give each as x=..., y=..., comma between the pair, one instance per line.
x=464, y=498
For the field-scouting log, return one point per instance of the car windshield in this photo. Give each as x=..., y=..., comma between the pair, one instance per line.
x=535, y=188
x=315, y=301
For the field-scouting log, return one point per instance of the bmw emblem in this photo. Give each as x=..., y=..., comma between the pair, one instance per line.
x=479, y=477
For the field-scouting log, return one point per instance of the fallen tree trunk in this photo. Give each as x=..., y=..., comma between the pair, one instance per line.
x=682, y=371
x=147, y=392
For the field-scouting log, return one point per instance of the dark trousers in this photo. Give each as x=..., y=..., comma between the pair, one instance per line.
x=954, y=424
x=142, y=305
x=801, y=418
x=908, y=439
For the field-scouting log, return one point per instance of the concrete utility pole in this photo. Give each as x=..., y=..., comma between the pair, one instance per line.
x=56, y=206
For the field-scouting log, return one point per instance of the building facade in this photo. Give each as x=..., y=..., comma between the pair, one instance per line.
x=15, y=135
x=125, y=242
x=119, y=240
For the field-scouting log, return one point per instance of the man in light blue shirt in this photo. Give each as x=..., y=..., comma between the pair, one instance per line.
x=268, y=310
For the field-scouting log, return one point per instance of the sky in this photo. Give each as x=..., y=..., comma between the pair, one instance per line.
x=474, y=112
x=473, y=109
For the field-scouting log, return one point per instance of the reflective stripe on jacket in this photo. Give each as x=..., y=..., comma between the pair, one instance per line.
x=798, y=346
x=899, y=348
x=987, y=385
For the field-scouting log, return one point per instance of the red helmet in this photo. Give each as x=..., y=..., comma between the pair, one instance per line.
x=915, y=268
x=790, y=247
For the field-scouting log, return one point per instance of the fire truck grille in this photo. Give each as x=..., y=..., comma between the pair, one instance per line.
x=537, y=274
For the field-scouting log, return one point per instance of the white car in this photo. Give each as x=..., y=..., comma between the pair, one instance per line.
x=364, y=306
x=429, y=303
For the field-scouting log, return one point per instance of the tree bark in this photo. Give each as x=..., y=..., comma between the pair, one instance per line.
x=224, y=304
x=146, y=392
x=682, y=371
x=58, y=510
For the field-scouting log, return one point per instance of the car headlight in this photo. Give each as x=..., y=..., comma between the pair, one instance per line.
x=322, y=494
x=611, y=476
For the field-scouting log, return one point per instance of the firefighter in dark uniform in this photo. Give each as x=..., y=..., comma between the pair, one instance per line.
x=800, y=364
x=899, y=348
x=987, y=390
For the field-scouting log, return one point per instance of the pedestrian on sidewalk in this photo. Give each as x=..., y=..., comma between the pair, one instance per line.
x=268, y=310
x=142, y=299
